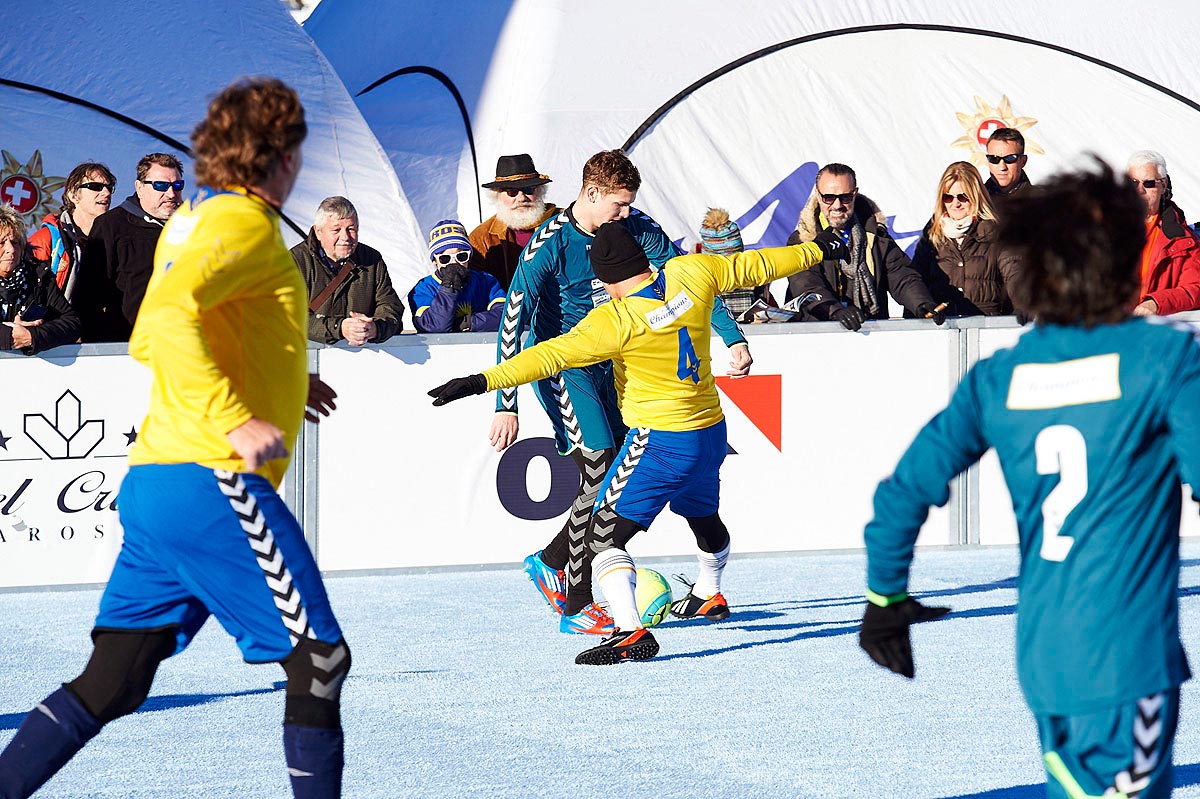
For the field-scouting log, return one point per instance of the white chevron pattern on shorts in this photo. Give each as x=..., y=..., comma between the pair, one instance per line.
x=595, y=466
x=1147, y=730
x=544, y=235
x=567, y=412
x=335, y=666
x=270, y=559
x=606, y=514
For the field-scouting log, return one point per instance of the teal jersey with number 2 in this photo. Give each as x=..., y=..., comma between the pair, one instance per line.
x=1095, y=429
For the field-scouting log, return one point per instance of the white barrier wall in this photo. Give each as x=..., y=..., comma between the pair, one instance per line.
x=389, y=481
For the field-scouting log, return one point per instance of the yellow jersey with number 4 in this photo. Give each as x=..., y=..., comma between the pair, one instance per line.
x=658, y=337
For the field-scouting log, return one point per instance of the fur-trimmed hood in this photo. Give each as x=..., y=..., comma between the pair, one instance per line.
x=809, y=225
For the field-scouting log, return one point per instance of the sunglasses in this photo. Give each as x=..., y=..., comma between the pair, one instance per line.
x=962, y=198
x=96, y=185
x=846, y=198
x=447, y=258
x=163, y=185
x=1008, y=159
x=1148, y=184
x=517, y=192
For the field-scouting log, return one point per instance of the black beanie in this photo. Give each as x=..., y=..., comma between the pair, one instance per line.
x=616, y=255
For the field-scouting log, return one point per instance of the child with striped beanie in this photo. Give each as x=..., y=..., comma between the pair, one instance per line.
x=720, y=235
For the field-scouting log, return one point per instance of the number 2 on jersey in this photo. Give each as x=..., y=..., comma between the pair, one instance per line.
x=689, y=361
x=1061, y=450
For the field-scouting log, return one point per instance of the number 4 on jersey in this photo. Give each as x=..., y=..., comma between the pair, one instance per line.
x=689, y=362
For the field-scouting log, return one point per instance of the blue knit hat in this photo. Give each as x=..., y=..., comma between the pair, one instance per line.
x=719, y=234
x=446, y=235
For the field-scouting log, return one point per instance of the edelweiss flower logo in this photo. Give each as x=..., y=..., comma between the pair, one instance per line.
x=985, y=121
x=25, y=188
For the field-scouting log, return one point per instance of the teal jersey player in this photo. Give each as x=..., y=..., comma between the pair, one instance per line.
x=1095, y=423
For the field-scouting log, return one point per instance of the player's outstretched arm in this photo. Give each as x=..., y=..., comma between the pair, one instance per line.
x=884, y=634
x=458, y=388
x=320, y=399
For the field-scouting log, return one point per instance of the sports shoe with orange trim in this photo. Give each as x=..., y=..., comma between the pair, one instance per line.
x=636, y=644
x=592, y=620
x=548, y=582
x=691, y=606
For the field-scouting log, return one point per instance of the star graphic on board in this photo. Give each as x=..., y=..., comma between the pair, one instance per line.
x=4, y=440
x=131, y=436
x=985, y=121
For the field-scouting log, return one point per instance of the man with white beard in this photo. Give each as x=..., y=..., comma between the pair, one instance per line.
x=519, y=194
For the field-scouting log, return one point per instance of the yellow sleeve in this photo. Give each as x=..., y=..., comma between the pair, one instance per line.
x=597, y=337
x=752, y=267
x=212, y=263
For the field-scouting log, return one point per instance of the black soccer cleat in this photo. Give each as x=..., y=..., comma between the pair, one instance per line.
x=621, y=645
x=691, y=606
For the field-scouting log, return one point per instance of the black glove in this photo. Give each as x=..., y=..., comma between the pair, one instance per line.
x=463, y=324
x=850, y=317
x=929, y=311
x=454, y=276
x=884, y=634
x=458, y=388
x=831, y=244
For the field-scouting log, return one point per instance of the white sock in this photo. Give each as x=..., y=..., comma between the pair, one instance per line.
x=616, y=576
x=708, y=581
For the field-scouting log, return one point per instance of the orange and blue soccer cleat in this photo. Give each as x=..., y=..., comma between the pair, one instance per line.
x=691, y=606
x=592, y=620
x=549, y=582
x=636, y=644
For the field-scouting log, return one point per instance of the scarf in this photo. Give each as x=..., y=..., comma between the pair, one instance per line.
x=14, y=292
x=862, y=283
x=956, y=229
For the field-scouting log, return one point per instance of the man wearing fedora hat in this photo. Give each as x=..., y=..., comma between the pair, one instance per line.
x=519, y=194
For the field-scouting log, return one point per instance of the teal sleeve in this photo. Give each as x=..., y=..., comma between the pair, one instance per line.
x=948, y=444
x=724, y=325
x=519, y=305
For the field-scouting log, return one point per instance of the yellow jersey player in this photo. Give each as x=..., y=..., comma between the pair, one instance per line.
x=223, y=330
x=656, y=331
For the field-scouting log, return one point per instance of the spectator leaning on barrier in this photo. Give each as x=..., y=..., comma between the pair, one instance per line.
x=958, y=255
x=35, y=314
x=350, y=294
x=61, y=239
x=720, y=235
x=519, y=194
x=119, y=257
x=1171, y=258
x=855, y=291
x=455, y=298
x=1006, y=161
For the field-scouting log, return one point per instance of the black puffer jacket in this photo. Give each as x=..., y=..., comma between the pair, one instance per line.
x=973, y=275
x=60, y=325
x=115, y=271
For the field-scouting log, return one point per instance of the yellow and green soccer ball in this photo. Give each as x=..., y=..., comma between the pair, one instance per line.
x=653, y=595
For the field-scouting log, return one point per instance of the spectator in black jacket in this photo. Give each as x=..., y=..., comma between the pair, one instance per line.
x=362, y=307
x=119, y=257
x=854, y=291
x=34, y=314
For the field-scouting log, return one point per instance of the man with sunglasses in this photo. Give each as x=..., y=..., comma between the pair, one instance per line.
x=350, y=294
x=1171, y=256
x=455, y=298
x=519, y=195
x=1006, y=161
x=853, y=291
x=119, y=258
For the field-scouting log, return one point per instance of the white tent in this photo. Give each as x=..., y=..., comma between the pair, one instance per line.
x=113, y=81
x=736, y=104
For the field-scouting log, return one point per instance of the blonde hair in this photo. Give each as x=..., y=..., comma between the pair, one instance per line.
x=10, y=222
x=981, y=205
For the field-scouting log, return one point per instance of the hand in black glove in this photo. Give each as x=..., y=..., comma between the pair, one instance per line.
x=929, y=311
x=458, y=388
x=463, y=324
x=884, y=634
x=831, y=244
x=850, y=317
x=454, y=276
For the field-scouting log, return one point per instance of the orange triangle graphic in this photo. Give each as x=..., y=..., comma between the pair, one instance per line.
x=760, y=397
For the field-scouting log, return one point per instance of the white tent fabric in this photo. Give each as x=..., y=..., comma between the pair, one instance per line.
x=737, y=104
x=113, y=81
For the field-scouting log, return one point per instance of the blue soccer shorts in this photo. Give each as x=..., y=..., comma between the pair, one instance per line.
x=1127, y=748
x=583, y=409
x=200, y=542
x=655, y=468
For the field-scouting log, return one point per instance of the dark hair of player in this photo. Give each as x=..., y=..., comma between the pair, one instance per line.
x=1080, y=237
x=249, y=125
x=611, y=171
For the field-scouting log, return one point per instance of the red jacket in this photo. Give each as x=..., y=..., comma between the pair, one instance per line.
x=1173, y=280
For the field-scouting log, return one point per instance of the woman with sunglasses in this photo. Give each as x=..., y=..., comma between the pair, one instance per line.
x=61, y=239
x=455, y=298
x=958, y=254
